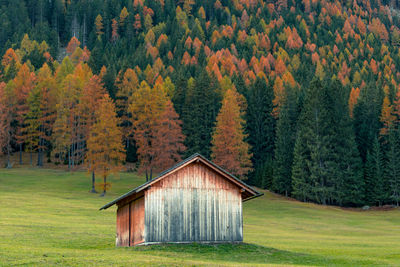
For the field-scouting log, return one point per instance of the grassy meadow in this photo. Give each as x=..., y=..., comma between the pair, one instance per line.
x=48, y=217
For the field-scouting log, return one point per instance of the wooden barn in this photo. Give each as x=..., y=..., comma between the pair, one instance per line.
x=194, y=201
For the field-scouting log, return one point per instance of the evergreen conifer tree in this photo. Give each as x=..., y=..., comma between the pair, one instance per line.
x=327, y=167
x=284, y=144
x=261, y=128
x=313, y=165
x=374, y=176
x=392, y=169
x=202, y=102
x=348, y=181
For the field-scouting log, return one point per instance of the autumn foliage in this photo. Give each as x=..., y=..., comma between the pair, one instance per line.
x=168, y=139
x=229, y=148
x=105, y=153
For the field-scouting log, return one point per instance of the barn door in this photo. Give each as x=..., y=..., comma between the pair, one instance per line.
x=123, y=226
x=137, y=222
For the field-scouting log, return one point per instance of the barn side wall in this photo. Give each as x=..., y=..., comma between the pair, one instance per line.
x=122, y=239
x=130, y=223
x=193, y=204
x=137, y=221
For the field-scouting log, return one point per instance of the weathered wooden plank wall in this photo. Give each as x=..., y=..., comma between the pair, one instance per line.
x=193, y=204
x=123, y=226
x=137, y=221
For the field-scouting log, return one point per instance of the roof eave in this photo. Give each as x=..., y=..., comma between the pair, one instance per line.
x=188, y=160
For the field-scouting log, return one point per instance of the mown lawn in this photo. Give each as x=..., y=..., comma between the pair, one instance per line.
x=48, y=217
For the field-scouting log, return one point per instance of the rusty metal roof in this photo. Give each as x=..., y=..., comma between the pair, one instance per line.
x=253, y=193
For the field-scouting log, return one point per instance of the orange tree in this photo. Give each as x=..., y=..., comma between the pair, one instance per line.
x=229, y=148
x=105, y=152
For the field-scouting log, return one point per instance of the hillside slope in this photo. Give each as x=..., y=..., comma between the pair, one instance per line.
x=48, y=217
x=271, y=65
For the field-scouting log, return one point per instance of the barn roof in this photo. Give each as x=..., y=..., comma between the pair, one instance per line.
x=248, y=192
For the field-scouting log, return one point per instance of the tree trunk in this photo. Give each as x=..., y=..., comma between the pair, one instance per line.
x=8, y=158
x=151, y=174
x=30, y=158
x=69, y=159
x=20, y=154
x=147, y=177
x=38, y=156
x=93, y=183
x=40, y=153
x=104, y=187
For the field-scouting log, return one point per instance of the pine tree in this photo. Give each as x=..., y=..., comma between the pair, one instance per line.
x=327, y=167
x=202, y=102
x=313, y=166
x=392, y=169
x=229, y=148
x=105, y=150
x=286, y=132
x=260, y=126
x=374, y=176
x=366, y=118
x=349, y=183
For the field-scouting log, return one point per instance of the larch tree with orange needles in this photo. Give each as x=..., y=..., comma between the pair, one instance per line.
x=168, y=139
x=229, y=148
x=72, y=45
x=5, y=123
x=46, y=90
x=146, y=110
x=105, y=152
x=387, y=117
x=354, y=94
x=23, y=84
x=92, y=93
x=127, y=86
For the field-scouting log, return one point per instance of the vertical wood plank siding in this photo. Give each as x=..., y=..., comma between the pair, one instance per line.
x=137, y=222
x=130, y=223
x=193, y=204
x=123, y=226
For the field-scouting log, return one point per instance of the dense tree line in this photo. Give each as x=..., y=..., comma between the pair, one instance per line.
x=300, y=97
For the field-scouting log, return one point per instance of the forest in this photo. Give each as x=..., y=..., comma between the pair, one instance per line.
x=298, y=97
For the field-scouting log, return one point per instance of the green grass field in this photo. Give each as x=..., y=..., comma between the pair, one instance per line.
x=48, y=217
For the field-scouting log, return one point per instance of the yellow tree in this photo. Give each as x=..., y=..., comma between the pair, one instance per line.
x=92, y=93
x=105, y=152
x=23, y=83
x=229, y=148
x=69, y=125
x=387, y=117
x=127, y=86
x=146, y=110
x=353, y=98
x=187, y=6
x=99, y=25
x=11, y=64
x=122, y=17
x=46, y=87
